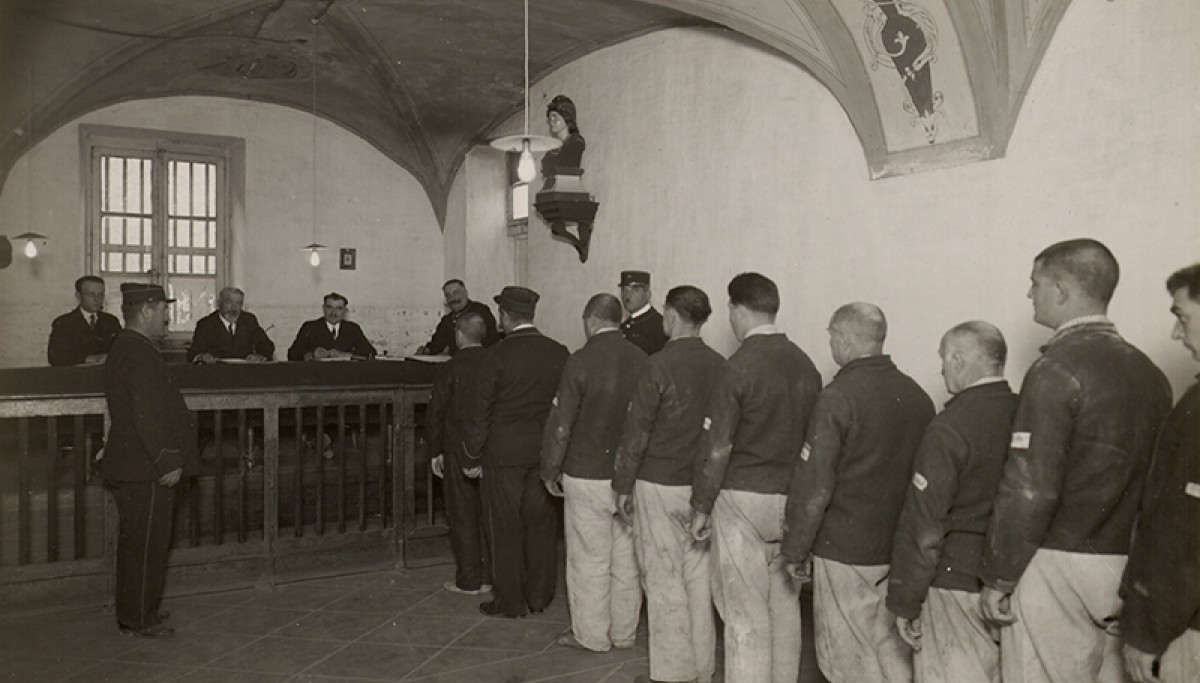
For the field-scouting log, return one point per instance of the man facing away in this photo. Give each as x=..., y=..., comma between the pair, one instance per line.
x=84, y=335
x=444, y=338
x=578, y=449
x=1160, y=621
x=761, y=400
x=644, y=326
x=846, y=496
x=453, y=391
x=331, y=335
x=230, y=332
x=1081, y=444
x=151, y=445
x=653, y=474
x=517, y=382
x=934, y=584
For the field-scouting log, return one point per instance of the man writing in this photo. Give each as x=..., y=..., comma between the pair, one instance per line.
x=331, y=336
x=151, y=446
x=578, y=447
x=653, y=480
x=1080, y=447
x=933, y=588
x=459, y=303
x=230, y=332
x=84, y=335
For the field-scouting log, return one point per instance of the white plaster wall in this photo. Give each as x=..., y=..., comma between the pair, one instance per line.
x=364, y=201
x=710, y=157
x=478, y=248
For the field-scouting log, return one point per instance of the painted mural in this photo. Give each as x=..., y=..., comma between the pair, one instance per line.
x=916, y=69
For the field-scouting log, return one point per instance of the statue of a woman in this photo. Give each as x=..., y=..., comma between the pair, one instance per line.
x=568, y=159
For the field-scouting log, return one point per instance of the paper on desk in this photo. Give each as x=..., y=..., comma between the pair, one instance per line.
x=430, y=359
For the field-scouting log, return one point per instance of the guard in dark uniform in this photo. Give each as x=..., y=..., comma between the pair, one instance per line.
x=151, y=446
x=644, y=326
x=459, y=302
x=85, y=334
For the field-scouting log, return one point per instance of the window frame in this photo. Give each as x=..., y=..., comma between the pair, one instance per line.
x=162, y=146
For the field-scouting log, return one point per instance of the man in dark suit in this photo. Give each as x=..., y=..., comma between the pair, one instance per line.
x=230, y=332
x=644, y=326
x=459, y=304
x=331, y=336
x=504, y=433
x=453, y=393
x=84, y=335
x=151, y=446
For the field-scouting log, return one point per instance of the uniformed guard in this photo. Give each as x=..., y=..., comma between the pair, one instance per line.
x=644, y=326
x=151, y=446
x=1160, y=621
x=1064, y=514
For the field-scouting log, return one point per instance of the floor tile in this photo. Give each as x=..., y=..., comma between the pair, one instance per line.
x=443, y=603
x=331, y=626
x=255, y=621
x=460, y=659
x=276, y=655
x=18, y=668
x=512, y=634
x=187, y=648
x=87, y=634
x=377, y=599
x=374, y=660
x=126, y=672
x=301, y=596
x=218, y=676
x=422, y=630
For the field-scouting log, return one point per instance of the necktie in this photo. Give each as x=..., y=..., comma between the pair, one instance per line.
x=92, y=320
x=232, y=329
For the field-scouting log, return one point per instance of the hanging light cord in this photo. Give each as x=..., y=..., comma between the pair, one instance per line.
x=314, y=130
x=527, y=68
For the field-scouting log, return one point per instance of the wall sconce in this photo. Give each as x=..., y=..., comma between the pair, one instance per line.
x=31, y=240
x=314, y=255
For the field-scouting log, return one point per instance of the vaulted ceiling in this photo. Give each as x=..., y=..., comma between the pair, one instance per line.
x=925, y=83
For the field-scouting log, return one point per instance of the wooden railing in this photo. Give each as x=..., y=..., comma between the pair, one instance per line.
x=310, y=480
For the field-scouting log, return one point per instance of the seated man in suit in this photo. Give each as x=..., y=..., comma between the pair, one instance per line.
x=83, y=335
x=230, y=332
x=331, y=336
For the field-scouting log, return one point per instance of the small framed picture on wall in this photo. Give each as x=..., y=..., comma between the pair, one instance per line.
x=349, y=259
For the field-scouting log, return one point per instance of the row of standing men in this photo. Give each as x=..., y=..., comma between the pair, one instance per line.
x=985, y=543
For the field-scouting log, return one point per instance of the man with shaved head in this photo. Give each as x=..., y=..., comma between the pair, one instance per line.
x=934, y=584
x=578, y=450
x=846, y=495
x=1081, y=444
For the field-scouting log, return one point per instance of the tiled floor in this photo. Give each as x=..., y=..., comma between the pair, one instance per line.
x=384, y=626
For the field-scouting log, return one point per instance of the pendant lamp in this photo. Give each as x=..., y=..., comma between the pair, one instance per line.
x=314, y=249
x=526, y=144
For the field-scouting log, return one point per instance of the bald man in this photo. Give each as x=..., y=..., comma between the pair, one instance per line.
x=578, y=450
x=934, y=585
x=845, y=499
x=1081, y=444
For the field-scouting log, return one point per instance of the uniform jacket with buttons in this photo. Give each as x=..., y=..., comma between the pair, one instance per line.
x=646, y=331
x=152, y=432
x=1082, y=440
x=453, y=393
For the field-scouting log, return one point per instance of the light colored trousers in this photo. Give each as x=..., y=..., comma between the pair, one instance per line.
x=603, y=584
x=675, y=572
x=856, y=639
x=1065, y=605
x=757, y=599
x=956, y=645
x=1181, y=662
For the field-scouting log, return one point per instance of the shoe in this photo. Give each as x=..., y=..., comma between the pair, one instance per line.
x=492, y=609
x=164, y=615
x=568, y=640
x=155, y=631
x=453, y=588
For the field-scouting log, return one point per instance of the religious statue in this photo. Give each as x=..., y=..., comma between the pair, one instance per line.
x=562, y=200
